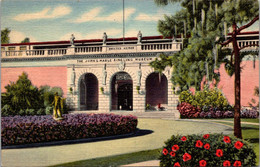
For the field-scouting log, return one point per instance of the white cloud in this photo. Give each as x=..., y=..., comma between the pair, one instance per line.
x=146, y=17
x=46, y=13
x=17, y=37
x=94, y=15
x=88, y=16
x=118, y=16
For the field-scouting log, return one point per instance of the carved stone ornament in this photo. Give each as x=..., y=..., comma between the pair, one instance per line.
x=121, y=65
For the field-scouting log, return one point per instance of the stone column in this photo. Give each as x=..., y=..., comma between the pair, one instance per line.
x=139, y=98
x=103, y=98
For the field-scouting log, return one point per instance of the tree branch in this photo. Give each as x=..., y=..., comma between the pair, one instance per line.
x=227, y=42
x=248, y=25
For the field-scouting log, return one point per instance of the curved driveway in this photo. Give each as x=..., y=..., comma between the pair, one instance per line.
x=159, y=130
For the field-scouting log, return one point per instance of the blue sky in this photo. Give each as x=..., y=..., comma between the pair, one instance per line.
x=52, y=20
x=45, y=20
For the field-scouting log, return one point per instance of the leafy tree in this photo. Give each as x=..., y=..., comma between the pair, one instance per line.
x=26, y=40
x=203, y=55
x=22, y=95
x=5, y=35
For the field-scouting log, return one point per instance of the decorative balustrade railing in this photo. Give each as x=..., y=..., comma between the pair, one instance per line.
x=246, y=45
x=132, y=48
x=79, y=50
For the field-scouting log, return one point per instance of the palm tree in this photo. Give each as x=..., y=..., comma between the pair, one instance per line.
x=5, y=35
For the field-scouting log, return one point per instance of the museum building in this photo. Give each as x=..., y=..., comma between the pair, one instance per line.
x=108, y=74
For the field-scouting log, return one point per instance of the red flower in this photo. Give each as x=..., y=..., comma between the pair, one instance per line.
x=203, y=163
x=165, y=151
x=172, y=154
x=175, y=147
x=183, y=138
x=226, y=139
x=207, y=146
x=237, y=163
x=239, y=144
x=226, y=163
x=199, y=143
x=206, y=136
x=219, y=153
x=186, y=157
x=177, y=164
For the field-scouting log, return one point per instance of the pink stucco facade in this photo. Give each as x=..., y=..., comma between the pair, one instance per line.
x=52, y=76
x=249, y=80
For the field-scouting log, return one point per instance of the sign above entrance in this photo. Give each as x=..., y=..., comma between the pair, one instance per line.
x=113, y=60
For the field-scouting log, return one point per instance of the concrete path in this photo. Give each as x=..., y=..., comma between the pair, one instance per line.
x=145, y=163
x=155, y=132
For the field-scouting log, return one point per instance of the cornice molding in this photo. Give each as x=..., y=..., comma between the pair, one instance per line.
x=92, y=56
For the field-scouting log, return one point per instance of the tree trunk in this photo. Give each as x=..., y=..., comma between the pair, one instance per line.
x=237, y=123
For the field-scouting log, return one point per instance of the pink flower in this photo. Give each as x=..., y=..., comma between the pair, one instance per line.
x=172, y=153
x=175, y=147
x=226, y=139
x=206, y=136
x=237, y=163
x=226, y=163
x=219, y=153
x=177, y=164
x=165, y=151
x=207, y=146
x=199, y=143
x=183, y=138
x=186, y=157
x=238, y=145
x=203, y=163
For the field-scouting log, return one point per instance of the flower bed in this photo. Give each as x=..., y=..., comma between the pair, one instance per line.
x=189, y=111
x=33, y=129
x=207, y=150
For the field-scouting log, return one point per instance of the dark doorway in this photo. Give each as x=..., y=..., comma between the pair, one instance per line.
x=89, y=92
x=122, y=92
x=156, y=91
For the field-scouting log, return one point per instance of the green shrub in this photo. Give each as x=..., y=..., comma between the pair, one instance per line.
x=49, y=110
x=22, y=98
x=206, y=99
x=207, y=150
x=186, y=96
x=7, y=110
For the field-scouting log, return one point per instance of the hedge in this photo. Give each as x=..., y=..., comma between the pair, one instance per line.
x=207, y=150
x=33, y=129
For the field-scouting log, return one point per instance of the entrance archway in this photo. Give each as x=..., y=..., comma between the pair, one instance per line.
x=88, y=92
x=122, y=92
x=156, y=92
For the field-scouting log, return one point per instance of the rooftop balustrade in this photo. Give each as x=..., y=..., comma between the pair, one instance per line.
x=159, y=46
x=96, y=49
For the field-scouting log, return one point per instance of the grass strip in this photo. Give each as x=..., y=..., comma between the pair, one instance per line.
x=116, y=160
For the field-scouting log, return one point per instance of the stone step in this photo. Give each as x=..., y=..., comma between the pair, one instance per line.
x=150, y=114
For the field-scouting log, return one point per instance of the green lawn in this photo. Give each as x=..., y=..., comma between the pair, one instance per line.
x=253, y=120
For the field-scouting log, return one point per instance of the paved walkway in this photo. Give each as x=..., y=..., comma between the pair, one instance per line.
x=155, y=132
x=145, y=163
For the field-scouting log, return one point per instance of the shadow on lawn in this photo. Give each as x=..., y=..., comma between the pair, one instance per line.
x=137, y=133
x=253, y=140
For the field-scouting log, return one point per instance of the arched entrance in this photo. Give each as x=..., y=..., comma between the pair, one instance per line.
x=156, y=92
x=122, y=92
x=88, y=92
